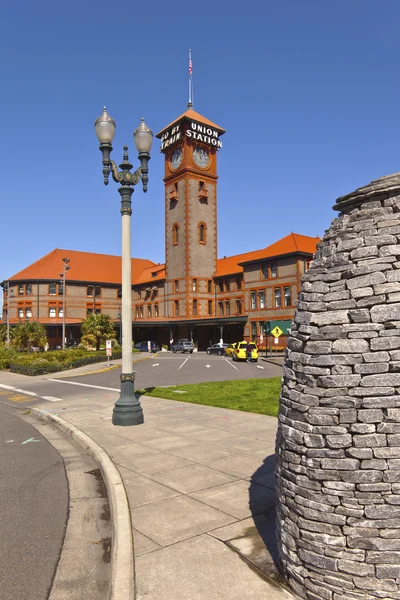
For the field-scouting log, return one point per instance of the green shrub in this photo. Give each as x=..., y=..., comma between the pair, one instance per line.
x=61, y=360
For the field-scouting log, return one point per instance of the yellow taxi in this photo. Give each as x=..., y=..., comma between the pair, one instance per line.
x=240, y=352
x=229, y=350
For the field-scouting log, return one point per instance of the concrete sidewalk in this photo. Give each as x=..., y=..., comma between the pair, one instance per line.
x=200, y=484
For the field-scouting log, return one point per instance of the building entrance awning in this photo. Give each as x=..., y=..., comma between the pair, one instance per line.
x=213, y=321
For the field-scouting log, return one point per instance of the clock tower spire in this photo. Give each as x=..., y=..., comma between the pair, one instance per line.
x=190, y=145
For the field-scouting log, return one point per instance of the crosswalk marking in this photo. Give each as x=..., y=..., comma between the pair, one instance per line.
x=52, y=398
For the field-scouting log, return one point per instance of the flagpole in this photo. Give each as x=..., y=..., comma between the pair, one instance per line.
x=190, y=104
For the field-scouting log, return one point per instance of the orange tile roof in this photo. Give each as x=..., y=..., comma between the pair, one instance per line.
x=293, y=243
x=147, y=277
x=194, y=116
x=85, y=266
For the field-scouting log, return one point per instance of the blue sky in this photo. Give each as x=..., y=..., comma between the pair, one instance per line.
x=308, y=91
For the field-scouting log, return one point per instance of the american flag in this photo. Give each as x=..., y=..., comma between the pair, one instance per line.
x=190, y=64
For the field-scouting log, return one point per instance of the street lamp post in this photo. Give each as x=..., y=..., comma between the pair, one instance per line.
x=6, y=288
x=127, y=409
x=63, y=274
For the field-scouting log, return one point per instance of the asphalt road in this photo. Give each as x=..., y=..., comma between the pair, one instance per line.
x=33, y=510
x=162, y=369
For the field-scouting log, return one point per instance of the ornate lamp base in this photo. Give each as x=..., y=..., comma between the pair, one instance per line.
x=127, y=409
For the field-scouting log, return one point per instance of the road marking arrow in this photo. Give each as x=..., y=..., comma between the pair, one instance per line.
x=156, y=365
x=258, y=367
x=30, y=440
x=9, y=441
x=208, y=366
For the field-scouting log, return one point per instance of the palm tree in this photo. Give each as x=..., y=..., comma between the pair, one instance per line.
x=31, y=333
x=97, y=329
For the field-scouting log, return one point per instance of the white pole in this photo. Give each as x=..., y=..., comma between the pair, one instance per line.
x=8, y=313
x=126, y=294
x=63, y=321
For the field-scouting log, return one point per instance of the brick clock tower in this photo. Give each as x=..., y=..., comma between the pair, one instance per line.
x=190, y=145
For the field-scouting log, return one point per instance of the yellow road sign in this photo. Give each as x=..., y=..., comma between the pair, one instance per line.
x=276, y=332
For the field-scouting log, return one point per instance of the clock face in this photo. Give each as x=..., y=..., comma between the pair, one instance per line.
x=176, y=158
x=201, y=157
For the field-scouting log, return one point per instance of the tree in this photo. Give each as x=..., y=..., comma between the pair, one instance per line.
x=3, y=335
x=31, y=333
x=97, y=329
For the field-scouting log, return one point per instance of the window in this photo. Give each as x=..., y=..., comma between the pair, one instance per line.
x=52, y=311
x=227, y=307
x=287, y=299
x=209, y=286
x=149, y=310
x=97, y=291
x=21, y=313
x=21, y=290
x=238, y=307
x=89, y=291
x=194, y=308
x=202, y=233
x=141, y=311
x=176, y=286
x=137, y=312
x=119, y=292
x=52, y=289
x=261, y=296
x=28, y=289
x=227, y=285
x=274, y=270
x=254, y=330
x=253, y=300
x=220, y=286
x=97, y=311
x=209, y=308
x=278, y=297
x=156, y=310
x=28, y=312
x=60, y=312
x=194, y=285
x=89, y=311
x=176, y=308
x=175, y=234
x=238, y=283
x=264, y=271
x=221, y=309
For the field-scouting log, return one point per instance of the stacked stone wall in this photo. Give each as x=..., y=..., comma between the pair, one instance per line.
x=338, y=442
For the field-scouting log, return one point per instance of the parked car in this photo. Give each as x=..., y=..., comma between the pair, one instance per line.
x=240, y=352
x=183, y=346
x=144, y=346
x=229, y=350
x=217, y=349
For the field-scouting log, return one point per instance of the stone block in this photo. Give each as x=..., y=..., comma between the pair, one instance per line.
x=339, y=381
x=385, y=343
x=361, y=453
x=371, y=301
x=393, y=440
x=371, y=368
x=330, y=317
x=382, y=402
x=339, y=441
x=374, y=357
x=375, y=440
x=334, y=296
x=364, y=292
x=374, y=463
x=355, y=568
x=318, y=560
x=350, y=346
x=366, y=280
x=382, y=512
x=387, y=288
x=393, y=275
x=371, y=391
x=381, y=380
x=370, y=415
x=391, y=249
x=395, y=297
x=294, y=344
x=394, y=463
x=364, y=252
x=387, y=452
x=341, y=464
x=388, y=571
x=360, y=315
x=332, y=360
x=319, y=419
x=349, y=244
x=340, y=304
x=362, y=428
x=347, y=415
x=380, y=240
x=314, y=441
x=318, y=527
x=363, y=335
x=393, y=414
x=323, y=347
x=371, y=583
x=384, y=313
x=361, y=476
x=388, y=428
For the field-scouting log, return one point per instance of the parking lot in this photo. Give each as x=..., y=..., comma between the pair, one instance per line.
x=164, y=368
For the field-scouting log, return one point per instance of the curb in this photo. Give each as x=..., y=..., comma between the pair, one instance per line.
x=122, y=584
x=111, y=368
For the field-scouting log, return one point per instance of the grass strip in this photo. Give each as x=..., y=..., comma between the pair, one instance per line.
x=249, y=395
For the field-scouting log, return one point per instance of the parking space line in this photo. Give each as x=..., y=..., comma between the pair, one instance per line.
x=229, y=363
x=97, y=387
x=185, y=361
x=52, y=399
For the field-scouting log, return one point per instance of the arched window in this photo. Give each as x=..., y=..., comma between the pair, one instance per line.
x=202, y=233
x=175, y=234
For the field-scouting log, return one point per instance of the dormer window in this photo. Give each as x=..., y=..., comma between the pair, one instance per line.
x=203, y=192
x=202, y=233
x=173, y=195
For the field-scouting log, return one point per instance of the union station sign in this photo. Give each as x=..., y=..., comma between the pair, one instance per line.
x=200, y=133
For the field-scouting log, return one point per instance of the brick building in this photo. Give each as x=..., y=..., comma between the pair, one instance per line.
x=194, y=294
